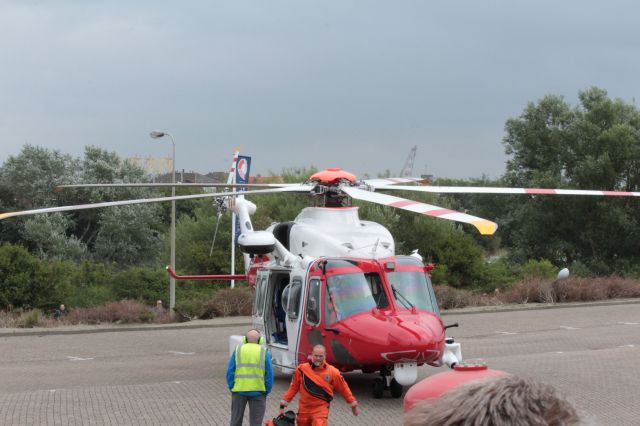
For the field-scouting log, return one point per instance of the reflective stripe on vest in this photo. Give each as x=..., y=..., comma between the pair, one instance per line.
x=250, y=366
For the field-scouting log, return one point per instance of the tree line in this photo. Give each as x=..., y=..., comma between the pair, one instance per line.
x=94, y=256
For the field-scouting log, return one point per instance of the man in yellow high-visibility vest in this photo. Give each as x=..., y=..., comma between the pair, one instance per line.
x=250, y=378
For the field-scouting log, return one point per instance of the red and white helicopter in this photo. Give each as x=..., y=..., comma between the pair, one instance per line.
x=329, y=277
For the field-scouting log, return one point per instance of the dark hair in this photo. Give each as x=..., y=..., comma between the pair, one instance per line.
x=501, y=401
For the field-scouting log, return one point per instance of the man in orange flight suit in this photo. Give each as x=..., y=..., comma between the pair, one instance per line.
x=316, y=381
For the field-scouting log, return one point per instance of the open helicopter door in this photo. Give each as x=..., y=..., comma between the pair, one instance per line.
x=258, y=312
x=277, y=305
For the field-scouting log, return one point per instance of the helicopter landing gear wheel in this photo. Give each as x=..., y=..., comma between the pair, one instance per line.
x=395, y=388
x=378, y=387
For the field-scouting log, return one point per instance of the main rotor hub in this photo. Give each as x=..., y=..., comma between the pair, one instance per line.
x=333, y=176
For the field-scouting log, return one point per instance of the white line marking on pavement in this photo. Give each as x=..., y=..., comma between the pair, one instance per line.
x=177, y=383
x=560, y=352
x=566, y=327
x=505, y=332
x=77, y=358
x=627, y=346
x=629, y=323
x=181, y=353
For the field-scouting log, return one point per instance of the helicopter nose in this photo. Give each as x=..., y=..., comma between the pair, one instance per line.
x=373, y=340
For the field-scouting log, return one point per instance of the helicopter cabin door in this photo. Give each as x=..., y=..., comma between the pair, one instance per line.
x=258, y=312
x=282, y=317
x=313, y=332
x=292, y=297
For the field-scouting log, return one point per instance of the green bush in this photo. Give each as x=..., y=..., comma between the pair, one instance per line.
x=84, y=296
x=141, y=283
x=541, y=269
x=439, y=274
x=32, y=319
x=19, y=285
x=188, y=309
x=495, y=275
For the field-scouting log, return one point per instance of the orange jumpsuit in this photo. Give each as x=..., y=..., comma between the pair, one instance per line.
x=314, y=411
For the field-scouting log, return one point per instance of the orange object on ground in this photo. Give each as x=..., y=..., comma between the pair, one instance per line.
x=438, y=384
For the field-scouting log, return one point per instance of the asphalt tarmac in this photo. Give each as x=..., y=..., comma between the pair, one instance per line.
x=167, y=375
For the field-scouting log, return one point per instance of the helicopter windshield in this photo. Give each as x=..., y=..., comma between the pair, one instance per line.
x=347, y=295
x=413, y=286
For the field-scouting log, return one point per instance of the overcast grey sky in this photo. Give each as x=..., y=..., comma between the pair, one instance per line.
x=353, y=84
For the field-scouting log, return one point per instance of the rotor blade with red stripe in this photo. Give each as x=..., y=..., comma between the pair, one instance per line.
x=391, y=181
x=298, y=188
x=486, y=227
x=497, y=190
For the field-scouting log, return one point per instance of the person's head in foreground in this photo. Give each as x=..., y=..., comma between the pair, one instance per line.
x=507, y=401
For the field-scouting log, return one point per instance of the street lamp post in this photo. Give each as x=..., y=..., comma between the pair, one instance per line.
x=172, y=281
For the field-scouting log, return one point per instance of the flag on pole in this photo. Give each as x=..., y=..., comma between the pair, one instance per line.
x=243, y=171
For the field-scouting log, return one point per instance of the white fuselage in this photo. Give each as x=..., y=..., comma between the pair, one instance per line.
x=330, y=231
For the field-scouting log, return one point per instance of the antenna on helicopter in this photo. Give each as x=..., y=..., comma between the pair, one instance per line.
x=221, y=208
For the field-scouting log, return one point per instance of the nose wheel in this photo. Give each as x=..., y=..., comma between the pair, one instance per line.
x=384, y=383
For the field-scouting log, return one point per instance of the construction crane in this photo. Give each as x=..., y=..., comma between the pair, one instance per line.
x=407, y=170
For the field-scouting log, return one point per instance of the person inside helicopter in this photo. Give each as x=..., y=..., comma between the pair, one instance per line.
x=331, y=312
x=280, y=335
x=375, y=284
x=346, y=295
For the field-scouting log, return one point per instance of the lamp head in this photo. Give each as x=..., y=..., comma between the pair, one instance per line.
x=157, y=135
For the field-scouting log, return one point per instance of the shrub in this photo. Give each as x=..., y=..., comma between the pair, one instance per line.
x=496, y=274
x=208, y=310
x=123, y=311
x=188, y=309
x=540, y=269
x=18, y=271
x=618, y=287
x=439, y=274
x=575, y=289
x=230, y=302
x=21, y=319
x=579, y=290
x=141, y=283
x=451, y=298
x=31, y=319
x=89, y=295
x=530, y=290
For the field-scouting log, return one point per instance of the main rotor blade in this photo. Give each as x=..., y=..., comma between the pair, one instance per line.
x=298, y=188
x=376, y=183
x=485, y=227
x=169, y=185
x=497, y=190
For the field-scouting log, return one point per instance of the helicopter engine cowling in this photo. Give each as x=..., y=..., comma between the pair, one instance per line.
x=257, y=242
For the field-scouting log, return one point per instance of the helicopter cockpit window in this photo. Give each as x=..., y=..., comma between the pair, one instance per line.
x=294, y=291
x=375, y=284
x=313, y=302
x=347, y=295
x=412, y=287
